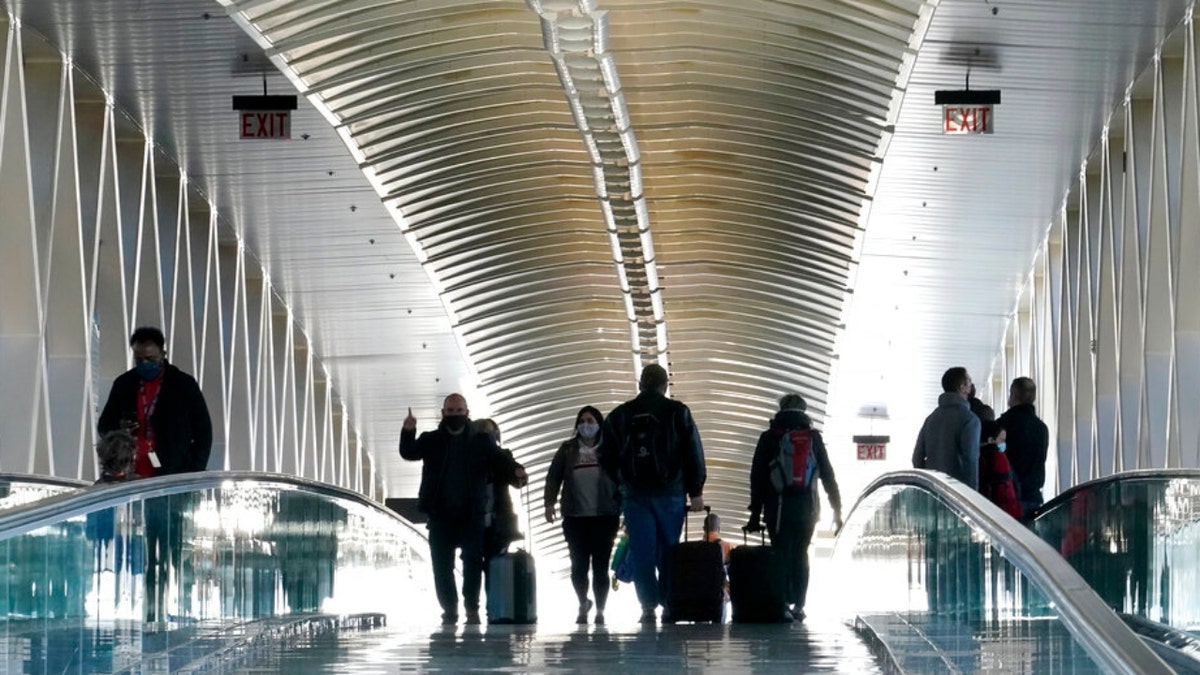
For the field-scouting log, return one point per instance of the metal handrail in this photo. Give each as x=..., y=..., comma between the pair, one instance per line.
x=57, y=508
x=1101, y=633
x=1124, y=476
x=35, y=479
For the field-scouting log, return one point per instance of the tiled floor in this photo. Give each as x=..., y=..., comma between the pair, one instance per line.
x=828, y=647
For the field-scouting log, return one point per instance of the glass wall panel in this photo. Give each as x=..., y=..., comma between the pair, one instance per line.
x=940, y=594
x=1136, y=540
x=244, y=550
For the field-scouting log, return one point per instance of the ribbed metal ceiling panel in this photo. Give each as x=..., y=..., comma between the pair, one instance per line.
x=749, y=130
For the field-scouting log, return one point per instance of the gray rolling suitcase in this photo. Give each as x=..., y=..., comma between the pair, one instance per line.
x=512, y=588
x=512, y=585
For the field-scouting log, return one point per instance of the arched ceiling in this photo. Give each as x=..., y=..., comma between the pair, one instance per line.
x=557, y=192
x=598, y=185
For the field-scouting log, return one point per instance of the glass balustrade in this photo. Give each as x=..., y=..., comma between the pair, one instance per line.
x=155, y=555
x=1135, y=538
x=940, y=594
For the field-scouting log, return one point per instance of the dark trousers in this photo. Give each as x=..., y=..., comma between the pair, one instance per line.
x=446, y=535
x=590, y=542
x=791, y=530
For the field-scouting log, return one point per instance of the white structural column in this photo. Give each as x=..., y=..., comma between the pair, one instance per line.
x=102, y=233
x=1122, y=385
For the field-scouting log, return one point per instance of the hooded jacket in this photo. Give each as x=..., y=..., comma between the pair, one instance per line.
x=949, y=440
x=762, y=492
x=484, y=461
x=182, y=426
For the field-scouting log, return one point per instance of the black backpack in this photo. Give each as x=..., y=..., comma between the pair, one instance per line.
x=648, y=462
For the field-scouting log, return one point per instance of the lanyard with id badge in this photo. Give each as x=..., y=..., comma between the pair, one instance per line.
x=146, y=406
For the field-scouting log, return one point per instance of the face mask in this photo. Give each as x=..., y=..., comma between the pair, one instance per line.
x=149, y=369
x=1001, y=446
x=454, y=422
x=588, y=429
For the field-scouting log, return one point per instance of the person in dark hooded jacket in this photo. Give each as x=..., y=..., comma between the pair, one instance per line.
x=791, y=512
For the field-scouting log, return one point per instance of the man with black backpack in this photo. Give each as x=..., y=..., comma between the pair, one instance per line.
x=788, y=461
x=652, y=449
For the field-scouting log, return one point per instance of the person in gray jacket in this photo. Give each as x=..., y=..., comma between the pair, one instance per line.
x=949, y=439
x=591, y=509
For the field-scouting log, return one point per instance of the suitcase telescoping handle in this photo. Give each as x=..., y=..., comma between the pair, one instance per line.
x=528, y=515
x=707, y=512
x=762, y=534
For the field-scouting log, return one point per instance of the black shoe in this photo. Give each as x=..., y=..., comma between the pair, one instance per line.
x=648, y=617
x=449, y=619
x=798, y=614
x=473, y=617
x=584, y=608
x=599, y=621
x=787, y=617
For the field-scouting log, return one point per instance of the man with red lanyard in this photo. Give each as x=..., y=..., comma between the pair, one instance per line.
x=162, y=407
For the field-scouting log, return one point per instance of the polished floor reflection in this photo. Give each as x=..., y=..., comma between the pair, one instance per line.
x=811, y=647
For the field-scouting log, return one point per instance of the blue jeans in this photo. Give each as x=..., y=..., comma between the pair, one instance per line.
x=654, y=524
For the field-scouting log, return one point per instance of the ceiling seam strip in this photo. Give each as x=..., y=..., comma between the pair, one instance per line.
x=575, y=34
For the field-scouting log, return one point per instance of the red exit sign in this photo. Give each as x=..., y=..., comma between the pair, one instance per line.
x=273, y=124
x=967, y=119
x=872, y=451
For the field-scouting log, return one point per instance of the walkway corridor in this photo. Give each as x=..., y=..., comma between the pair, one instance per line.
x=811, y=647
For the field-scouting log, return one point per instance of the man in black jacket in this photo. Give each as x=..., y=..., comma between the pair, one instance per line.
x=791, y=511
x=657, y=477
x=1027, y=444
x=162, y=407
x=457, y=462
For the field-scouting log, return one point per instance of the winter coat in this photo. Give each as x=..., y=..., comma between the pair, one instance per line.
x=949, y=440
x=763, y=496
x=1028, y=443
x=560, y=476
x=996, y=480
x=683, y=437
x=182, y=427
x=484, y=461
x=501, y=526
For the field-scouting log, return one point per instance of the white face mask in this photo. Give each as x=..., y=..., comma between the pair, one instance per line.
x=1001, y=446
x=588, y=429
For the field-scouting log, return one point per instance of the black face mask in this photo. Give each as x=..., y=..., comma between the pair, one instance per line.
x=454, y=423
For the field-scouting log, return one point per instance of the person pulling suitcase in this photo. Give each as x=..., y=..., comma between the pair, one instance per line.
x=651, y=448
x=789, y=460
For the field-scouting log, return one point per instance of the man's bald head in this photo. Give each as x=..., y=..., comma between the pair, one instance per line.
x=455, y=404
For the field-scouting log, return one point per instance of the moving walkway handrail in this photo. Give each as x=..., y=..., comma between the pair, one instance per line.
x=35, y=479
x=57, y=508
x=1123, y=477
x=1102, y=634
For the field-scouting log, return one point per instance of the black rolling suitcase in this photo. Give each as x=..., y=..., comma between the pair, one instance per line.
x=754, y=576
x=512, y=585
x=697, y=581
